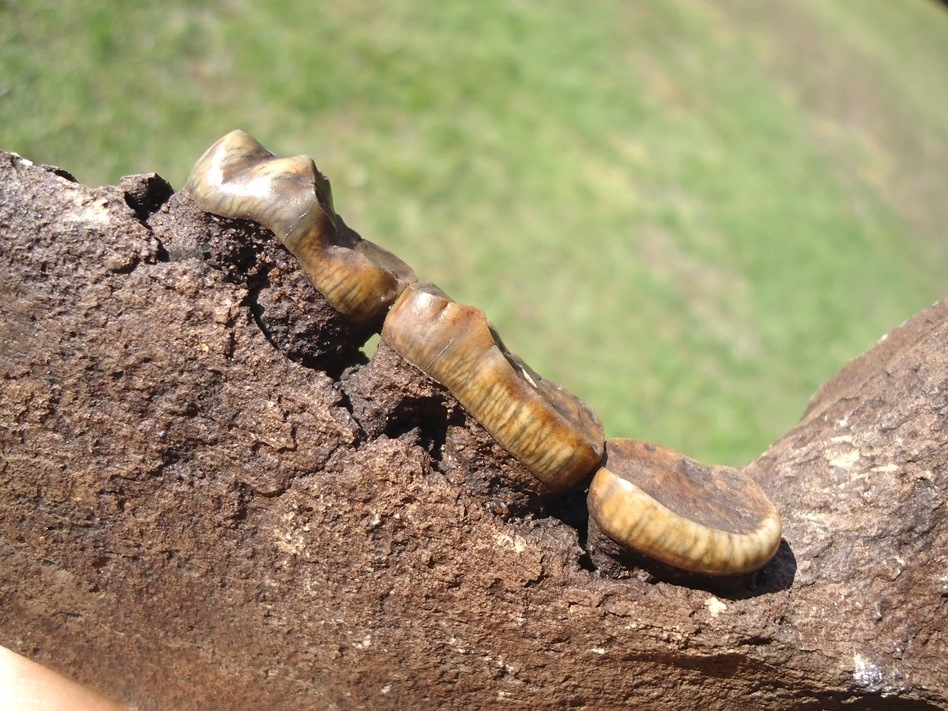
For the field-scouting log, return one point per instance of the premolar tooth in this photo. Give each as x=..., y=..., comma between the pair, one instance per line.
x=237, y=177
x=549, y=430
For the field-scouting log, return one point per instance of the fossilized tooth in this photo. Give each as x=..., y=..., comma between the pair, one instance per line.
x=549, y=430
x=712, y=520
x=237, y=177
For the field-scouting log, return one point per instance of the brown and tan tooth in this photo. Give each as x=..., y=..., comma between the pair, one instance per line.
x=711, y=520
x=549, y=430
x=237, y=177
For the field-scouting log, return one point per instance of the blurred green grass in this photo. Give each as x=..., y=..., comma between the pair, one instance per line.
x=690, y=214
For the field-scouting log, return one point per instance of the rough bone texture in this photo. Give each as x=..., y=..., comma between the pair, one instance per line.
x=195, y=513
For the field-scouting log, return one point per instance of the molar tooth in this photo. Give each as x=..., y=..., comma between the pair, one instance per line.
x=711, y=520
x=237, y=177
x=549, y=430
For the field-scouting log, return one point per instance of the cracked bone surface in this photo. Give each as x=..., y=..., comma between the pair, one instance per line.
x=549, y=430
x=238, y=178
x=712, y=520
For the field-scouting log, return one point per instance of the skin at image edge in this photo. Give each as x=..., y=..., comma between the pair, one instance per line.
x=28, y=686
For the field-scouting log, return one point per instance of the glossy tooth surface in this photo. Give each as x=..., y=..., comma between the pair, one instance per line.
x=238, y=178
x=549, y=430
x=711, y=520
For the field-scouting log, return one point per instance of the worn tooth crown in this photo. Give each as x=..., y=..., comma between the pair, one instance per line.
x=237, y=177
x=711, y=520
x=549, y=430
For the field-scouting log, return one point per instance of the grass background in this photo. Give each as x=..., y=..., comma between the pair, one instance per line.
x=689, y=213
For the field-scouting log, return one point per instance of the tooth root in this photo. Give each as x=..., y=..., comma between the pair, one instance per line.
x=550, y=431
x=239, y=178
x=705, y=519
